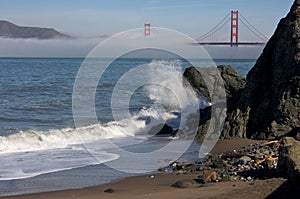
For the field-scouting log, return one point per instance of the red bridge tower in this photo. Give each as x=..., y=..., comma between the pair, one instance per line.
x=234, y=40
x=147, y=29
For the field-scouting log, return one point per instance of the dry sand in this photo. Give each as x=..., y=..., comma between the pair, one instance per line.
x=160, y=186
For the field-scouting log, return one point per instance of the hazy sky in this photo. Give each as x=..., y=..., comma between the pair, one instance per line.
x=102, y=17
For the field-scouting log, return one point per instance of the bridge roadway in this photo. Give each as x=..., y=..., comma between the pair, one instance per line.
x=231, y=44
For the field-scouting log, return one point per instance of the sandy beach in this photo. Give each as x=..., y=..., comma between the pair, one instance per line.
x=130, y=100
x=159, y=186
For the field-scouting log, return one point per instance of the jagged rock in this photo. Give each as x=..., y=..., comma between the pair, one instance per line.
x=204, y=121
x=233, y=84
x=289, y=159
x=195, y=79
x=162, y=130
x=269, y=105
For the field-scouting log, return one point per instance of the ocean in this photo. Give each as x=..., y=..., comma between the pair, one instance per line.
x=41, y=148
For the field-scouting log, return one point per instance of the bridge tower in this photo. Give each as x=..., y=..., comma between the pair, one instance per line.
x=234, y=38
x=147, y=29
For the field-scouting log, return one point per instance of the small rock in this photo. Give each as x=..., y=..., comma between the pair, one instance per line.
x=234, y=179
x=161, y=130
x=182, y=184
x=109, y=190
x=180, y=172
x=174, y=164
x=245, y=159
x=151, y=176
x=209, y=176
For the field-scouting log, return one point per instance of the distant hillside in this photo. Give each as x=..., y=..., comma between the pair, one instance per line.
x=10, y=30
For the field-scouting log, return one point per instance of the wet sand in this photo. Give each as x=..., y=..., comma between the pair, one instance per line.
x=160, y=185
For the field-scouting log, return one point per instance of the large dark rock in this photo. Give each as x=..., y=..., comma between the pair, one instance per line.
x=269, y=106
x=204, y=121
x=233, y=84
x=195, y=79
x=162, y=130
x=289, y=159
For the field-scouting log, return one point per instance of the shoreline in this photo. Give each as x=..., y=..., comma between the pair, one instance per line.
x=159, y=185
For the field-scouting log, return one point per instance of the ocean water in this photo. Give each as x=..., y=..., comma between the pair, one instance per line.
x=40, y=148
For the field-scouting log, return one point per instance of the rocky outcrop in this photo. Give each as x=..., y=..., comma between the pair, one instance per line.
x=269, y=106
x=233, y=84
x=193, y=76
x=162, y=130
x=289, y=159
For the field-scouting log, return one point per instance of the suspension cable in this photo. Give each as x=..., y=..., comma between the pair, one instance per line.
x=257, y=31
x=214, y=29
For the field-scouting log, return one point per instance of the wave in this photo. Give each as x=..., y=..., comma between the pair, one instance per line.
x=169, y=90
x=169, y=96
x=25, y=164
x=63, y=149
x=62, y=138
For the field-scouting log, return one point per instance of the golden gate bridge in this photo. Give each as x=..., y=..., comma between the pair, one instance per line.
x=235, y=18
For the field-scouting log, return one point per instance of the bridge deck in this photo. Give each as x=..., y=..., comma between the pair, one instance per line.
x=231, y=44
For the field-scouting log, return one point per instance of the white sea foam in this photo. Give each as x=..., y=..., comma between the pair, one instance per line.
x=62, y=138
x=25, y=165
x=61, y=149
x=169, y=90
x=169, y=94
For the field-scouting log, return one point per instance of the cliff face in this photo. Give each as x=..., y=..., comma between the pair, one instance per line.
x=10, y=30
x=269, y=105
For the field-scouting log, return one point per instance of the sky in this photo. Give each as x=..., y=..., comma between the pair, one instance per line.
x=92, y=18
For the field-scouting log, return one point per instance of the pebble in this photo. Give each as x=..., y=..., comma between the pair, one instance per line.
x=109, y=190
x=233, y=165
x=151, y=176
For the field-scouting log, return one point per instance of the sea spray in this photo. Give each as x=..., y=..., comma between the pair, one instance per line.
x=171, y=99
x=170, y=91
x=169, y=96
x=62, y=138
